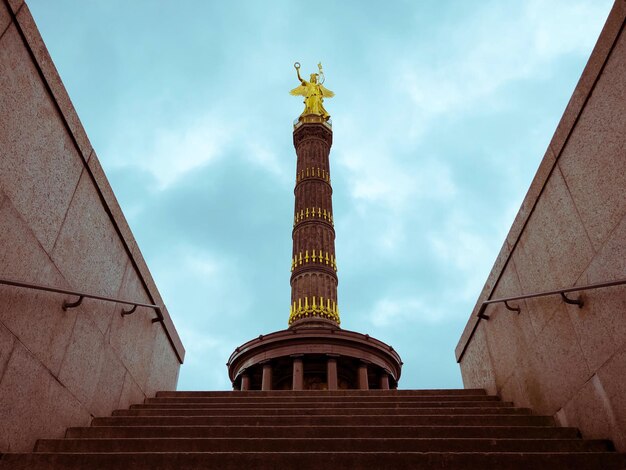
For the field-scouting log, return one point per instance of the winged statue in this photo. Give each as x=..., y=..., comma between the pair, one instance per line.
x=314, y=93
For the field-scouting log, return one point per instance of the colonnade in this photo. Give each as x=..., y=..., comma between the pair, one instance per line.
x=331, y=374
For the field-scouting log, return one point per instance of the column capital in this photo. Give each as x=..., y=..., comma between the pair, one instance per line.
x=312, y=130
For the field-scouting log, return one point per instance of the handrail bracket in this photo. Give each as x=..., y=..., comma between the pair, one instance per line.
x=159, y=318
x=511, y=308
x=567, y=300
x=67, y=305
x=129, y=311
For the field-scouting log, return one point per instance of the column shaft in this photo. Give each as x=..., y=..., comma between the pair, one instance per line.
x=384, y=381
x=363, y=381
x=298, y=373
x=266, y=382
x=313, y=262
x=331, y=373
x=245, y=382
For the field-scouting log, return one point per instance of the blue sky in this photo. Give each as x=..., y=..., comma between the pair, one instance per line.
x=443, y=111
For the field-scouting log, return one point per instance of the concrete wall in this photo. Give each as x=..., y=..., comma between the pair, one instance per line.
x=556, y=358
x=60, y=225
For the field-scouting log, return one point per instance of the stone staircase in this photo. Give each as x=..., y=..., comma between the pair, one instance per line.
x=396, y=429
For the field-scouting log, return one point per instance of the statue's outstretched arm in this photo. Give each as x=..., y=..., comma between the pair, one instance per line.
x=297, y=67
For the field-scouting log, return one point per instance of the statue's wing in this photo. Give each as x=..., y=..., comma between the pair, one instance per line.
x=299, y=91
x=326, y=93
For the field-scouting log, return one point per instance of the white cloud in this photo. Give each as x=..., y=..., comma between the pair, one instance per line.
x=466, y=248
x=195, y=280
x=170, y=151
x=388, y=312
x=177, y=152
x=493, y=48
x=265, y=158
x=377, y=172
x=388, y=191
x=205, y=356
x=204, y=266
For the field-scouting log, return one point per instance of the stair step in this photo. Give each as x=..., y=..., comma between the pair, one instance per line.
x=344, y=411
x=405, y=429
x=238, y=398
x=314, y=460
x=529, y=432
x=330, y=404
x=325, y=393
x=320, y=445
x=297, y=420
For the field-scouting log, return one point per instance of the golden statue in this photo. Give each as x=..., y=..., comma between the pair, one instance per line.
x=314, y=93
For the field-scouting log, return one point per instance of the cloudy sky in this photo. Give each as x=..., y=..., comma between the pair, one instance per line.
x=443, y=110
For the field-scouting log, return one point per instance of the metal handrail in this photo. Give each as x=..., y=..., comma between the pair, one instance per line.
x=505, y=300
x=82, y=295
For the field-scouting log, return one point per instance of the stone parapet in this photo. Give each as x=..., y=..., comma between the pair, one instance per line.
x=570, y=231
x=61, y=225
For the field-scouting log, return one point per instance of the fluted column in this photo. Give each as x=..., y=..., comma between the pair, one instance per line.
x=313, y=264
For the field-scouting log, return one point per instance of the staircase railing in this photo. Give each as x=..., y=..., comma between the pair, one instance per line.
x=83, y=295
x=516, y=308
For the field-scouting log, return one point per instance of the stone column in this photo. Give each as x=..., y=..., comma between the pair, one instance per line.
x=363, y=382
x=313, y=264
x=245, y=382
x=266, y=382
x=298, y=373
x=384, y=381
x=331, y=372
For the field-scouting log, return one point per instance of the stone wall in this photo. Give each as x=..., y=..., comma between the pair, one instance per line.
x=570, y=231
x=60, y=225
